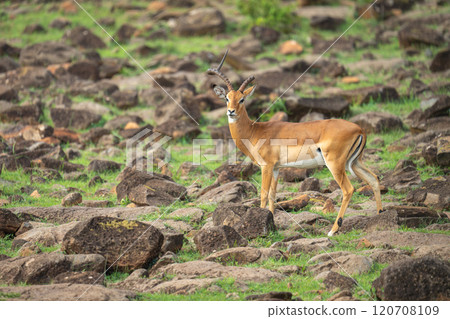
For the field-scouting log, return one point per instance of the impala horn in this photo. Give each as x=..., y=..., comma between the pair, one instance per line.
x=245, y=83
x=220, y=74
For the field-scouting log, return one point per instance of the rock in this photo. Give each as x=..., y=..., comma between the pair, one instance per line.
x=293, y=174
x=373, y=93
x=228, y=214
x=377, y=122
x=94, y=135
x=439, y=251
x=8, y=50
x=95, y=236
x=157, y=182
x=265, y=35
x=51, y=163
x=294, y=204
x=167, y=109
x=419, y=34
x=66, y=292
x=84, y=38
x=24, y=113
x=85, y=277
x=404, y=177
x=344, y=295
x=406, y=239
x=248, y=222
x=35, y=269
x=256, y=222
x=441, y=62
x=35, y=77
x=72, y=199
x=94, y=89
x=434, y=192
x=8, y=64
x=389, y=256
x=47, y=53
x=352, y=264
x=413, y=216
x=125, y=99
x=245, y=255
x=298, y=221
x=385, y=221
x=87, y=262
x=310, y=184
x=200, y=21
x=271, y=296
x=344, y=44
x=329, y=106
x=8, y=93
x=216, y=238
x=124, y=33
x=232, y=192
x=85, y=70
x=443, y=227
x=417, y=279
x=189, y=168
x=240, y=170
x=305, y=245
x=208, y=269
x=102, y=166
x=9, y=223
x=98, y=203
x=143, y=195
x=29, y=249
x=290, y=47
x=26, y=226
x=182, y=286
x=60, y=23
x=443, y=151
x=334, y=280
x=326, y=22
x=120, y=121
x=173, y=242
x=96, y=180
x=179, y=128
x=57, y=214
x=76, y=119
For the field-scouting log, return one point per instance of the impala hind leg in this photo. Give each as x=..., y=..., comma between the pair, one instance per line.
x=371, y=179
x=273, y=191
x=347, y=188
x=267, y=174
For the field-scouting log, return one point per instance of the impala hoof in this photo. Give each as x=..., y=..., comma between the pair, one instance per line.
x=331, y=233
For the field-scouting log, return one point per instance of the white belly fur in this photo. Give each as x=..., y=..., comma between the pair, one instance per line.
x=307, y=163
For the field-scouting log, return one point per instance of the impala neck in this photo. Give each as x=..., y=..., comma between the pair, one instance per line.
x=242, y=128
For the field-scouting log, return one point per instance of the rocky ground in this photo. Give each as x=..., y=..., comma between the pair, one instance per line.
x=77, y=224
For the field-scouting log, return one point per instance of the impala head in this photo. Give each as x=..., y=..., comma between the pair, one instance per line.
x=234, y=98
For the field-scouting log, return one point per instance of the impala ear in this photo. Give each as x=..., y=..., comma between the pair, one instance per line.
x=249, y=92
x=220, y=91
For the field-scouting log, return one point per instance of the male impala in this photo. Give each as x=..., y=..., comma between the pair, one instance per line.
x=336, y=143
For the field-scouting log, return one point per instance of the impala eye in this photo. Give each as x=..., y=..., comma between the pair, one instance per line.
x=226, y=99
x=241, y=101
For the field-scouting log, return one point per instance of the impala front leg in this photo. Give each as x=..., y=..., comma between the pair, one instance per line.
x=273, y=191
x=267, y=173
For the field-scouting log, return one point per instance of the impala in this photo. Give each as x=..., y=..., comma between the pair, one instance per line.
x=335, y=143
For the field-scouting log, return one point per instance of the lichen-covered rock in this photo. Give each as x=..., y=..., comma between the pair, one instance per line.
x=416, y=279
x=126, y=245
